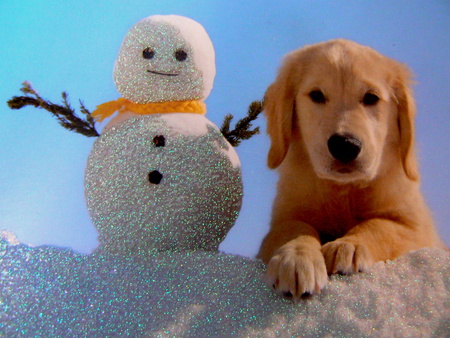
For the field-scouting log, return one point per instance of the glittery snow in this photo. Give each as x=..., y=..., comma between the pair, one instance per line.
x=197, y=125
x=187, y=124
x=193, y=206
x=49, y=292
x=160, y=75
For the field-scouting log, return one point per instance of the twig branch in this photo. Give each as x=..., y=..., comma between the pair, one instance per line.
x=64, y=114
x=242, y=129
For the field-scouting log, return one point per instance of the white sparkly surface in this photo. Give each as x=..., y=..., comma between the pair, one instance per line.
x=197, y=37
x=187, y=124
x=48, y=291
x=193, y=206
x=162, y=76
x=197, y=125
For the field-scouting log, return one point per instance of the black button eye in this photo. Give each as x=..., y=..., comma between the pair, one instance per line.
x=370, y=99
x=148, y=53
x=159, y=141
x=155, y=177
x=317, y=96
x=180, y=55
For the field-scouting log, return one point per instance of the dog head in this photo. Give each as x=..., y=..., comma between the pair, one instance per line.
x=349, y=106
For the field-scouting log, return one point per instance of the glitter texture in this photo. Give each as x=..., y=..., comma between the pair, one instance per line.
x=195, y=196
x=48, y=292
x=148, y=68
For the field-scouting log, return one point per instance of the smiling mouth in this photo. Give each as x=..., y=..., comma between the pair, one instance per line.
x=160, y=73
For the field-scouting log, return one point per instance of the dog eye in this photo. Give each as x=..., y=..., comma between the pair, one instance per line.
x=317, y=96
x=180, y=55
x=370, y=99
x=148, y=53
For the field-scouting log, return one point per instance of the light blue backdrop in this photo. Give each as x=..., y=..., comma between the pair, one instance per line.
x=71, y=45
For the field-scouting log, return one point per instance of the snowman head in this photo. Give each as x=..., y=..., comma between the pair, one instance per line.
x=165, y=58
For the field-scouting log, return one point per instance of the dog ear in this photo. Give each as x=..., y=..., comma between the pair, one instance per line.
x=279, y=107
x=406, y=115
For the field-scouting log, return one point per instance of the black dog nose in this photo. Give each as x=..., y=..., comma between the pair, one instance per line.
x=344, y=148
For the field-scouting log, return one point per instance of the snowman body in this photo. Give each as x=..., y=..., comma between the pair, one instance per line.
x=166, y=182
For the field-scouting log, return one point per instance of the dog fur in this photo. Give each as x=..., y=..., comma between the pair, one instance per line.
x=332, y=215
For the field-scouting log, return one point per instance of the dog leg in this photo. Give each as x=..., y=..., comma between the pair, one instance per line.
x=345, y=257
x=369, y=242
x=297, y=267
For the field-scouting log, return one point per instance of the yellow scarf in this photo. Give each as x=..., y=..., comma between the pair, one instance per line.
x=121, y=105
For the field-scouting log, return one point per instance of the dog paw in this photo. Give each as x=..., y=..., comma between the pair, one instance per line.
x=296, y=271
x=344, y=257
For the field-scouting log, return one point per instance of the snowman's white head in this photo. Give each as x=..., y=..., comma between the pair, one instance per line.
x=165, y=58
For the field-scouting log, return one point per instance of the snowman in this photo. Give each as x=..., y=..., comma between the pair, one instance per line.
x=162, y=177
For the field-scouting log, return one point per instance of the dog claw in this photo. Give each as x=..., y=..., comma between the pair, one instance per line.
x=287, y=294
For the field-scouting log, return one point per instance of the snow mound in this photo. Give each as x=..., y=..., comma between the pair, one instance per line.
x=48, y=291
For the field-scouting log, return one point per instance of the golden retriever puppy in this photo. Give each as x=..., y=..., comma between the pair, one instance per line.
x=341, y=122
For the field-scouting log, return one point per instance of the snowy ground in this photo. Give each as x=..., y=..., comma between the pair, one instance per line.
x=49, y=291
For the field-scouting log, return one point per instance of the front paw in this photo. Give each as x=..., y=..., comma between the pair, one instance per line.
x=342, y=256
x=296, y=270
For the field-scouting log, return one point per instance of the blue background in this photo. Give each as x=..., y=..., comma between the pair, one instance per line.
x=72, y=45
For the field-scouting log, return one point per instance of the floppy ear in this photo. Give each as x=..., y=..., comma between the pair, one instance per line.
x=406, y=115
x=279, y=107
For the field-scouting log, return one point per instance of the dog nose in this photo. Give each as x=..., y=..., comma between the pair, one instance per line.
x=344, y=147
